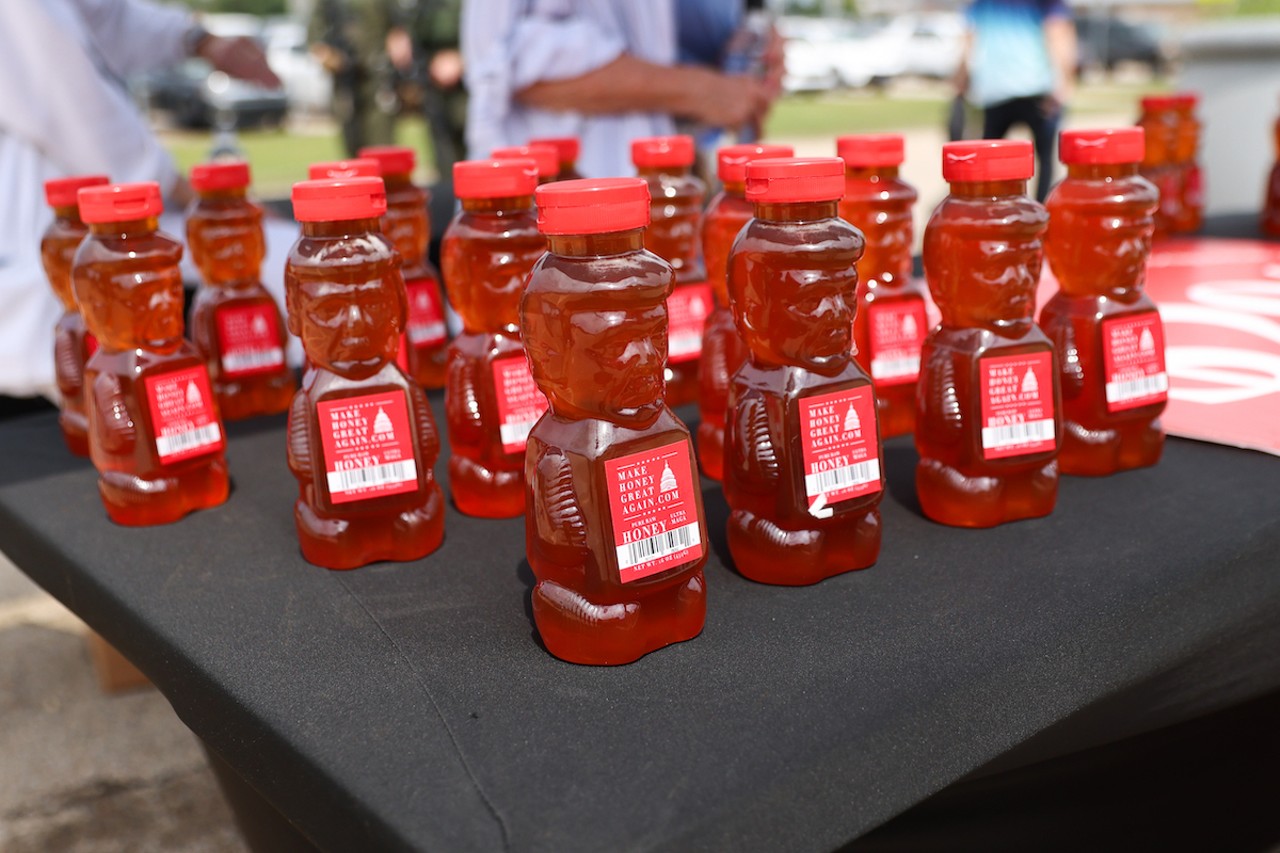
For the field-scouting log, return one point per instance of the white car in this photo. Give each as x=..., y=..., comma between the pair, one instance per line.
x=307, y=85
x=822, y=53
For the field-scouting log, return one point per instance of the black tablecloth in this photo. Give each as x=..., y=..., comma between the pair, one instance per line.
x=411, y=706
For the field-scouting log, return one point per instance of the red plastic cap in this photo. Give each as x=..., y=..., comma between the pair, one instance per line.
x=732, y=160
x=61, y=192
x=790, y=179
x=220, y=176
x=988, y=160
x=1110, y=145
x=567, y=147
x=391, y=159
x=546, y=157
x=659, y=151
x=593, y=206
x=495, y=178
x=120, y=202
x=337, y=170
x=339, y=200
x=1170, y=101
x=870, y=150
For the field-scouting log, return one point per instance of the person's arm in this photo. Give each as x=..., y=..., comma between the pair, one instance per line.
x=1060, y=40
x=630, y=84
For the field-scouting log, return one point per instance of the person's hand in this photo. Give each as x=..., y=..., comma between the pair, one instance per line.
x=239, y=56
x=400, y=48
x=445, y=69
x=727, y=100
x=774, y=62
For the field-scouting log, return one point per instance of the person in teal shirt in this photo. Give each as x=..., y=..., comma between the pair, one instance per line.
x=1019, y=67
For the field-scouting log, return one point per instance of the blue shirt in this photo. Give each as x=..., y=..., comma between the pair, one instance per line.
x=1010, y=58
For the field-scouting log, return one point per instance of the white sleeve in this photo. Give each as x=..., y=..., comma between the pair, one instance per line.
x=57, y=98
x=135, y=35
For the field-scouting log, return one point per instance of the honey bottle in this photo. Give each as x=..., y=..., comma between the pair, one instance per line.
x=1186, y=145
x=544, y=155
x=425, y=344
x=155, y=434
x=723, y=351
x=1270, y=224
x=1159, y=122
x=235, y=323
x=73, y=344
x=891, y=323
x=988, y=410
x=614, y=527
x=1106, y=330
x=491, y=401
x=666, y=164
x=803, y=475
x=361, y=439
x=567, y=150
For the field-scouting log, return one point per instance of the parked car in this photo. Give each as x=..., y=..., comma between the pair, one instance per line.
x=934, y=44
x=822, y=53
x=307, y=85
x=1107, y=41
x=198, y=96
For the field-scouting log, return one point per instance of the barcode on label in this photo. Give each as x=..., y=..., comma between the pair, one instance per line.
x=252, y=359
x=372, y=476
x=1023, y=433
x=840, y=478
x=426, y=333
x=682, y=345
x=180, y=442
x=1132, y=389
x=893, y=368
x=658, y=546
x=516, y=432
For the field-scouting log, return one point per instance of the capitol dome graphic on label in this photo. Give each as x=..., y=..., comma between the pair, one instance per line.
x=382, y=423
x=194, y=398
x=260, y=325
x=668, y=481
x=909, y=327
x=1030, y=385
x=851, y=420
x=1146, y=342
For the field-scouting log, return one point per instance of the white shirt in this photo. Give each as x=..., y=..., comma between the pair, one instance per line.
x=64, y=111
x=508, y=45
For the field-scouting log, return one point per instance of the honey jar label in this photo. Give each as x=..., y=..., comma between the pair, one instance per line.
x=897, y=332
x=520, y=403
x=653, y=509
x=368, y=446
x=1017, y=404
x=182, y=415
x=249, y=340
x=841, y=448
x=426, y=327
x=687, y=310
x=1133, y=356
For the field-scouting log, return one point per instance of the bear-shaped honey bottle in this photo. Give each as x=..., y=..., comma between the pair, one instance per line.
x=155, y=434
x=362, y=442
x=803, y=474
x=614, y=527
x=988, y=411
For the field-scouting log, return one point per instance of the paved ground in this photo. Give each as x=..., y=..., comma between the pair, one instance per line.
x=84, y=771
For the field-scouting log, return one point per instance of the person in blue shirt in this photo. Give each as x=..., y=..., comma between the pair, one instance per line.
x=1019, y=67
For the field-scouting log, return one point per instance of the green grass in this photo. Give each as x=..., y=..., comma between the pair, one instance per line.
x=280, y=158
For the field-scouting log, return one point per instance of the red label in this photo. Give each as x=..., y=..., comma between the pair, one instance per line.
x=249, y=340
x=182, y=414
x=841, y=447
x=90, y=345
x=1133, y=356
x=897, y=333
x=426, y=313
x=368, y=446
x=1017, y=404
x=687, y=310
x=654, y=511
x=520, y=403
